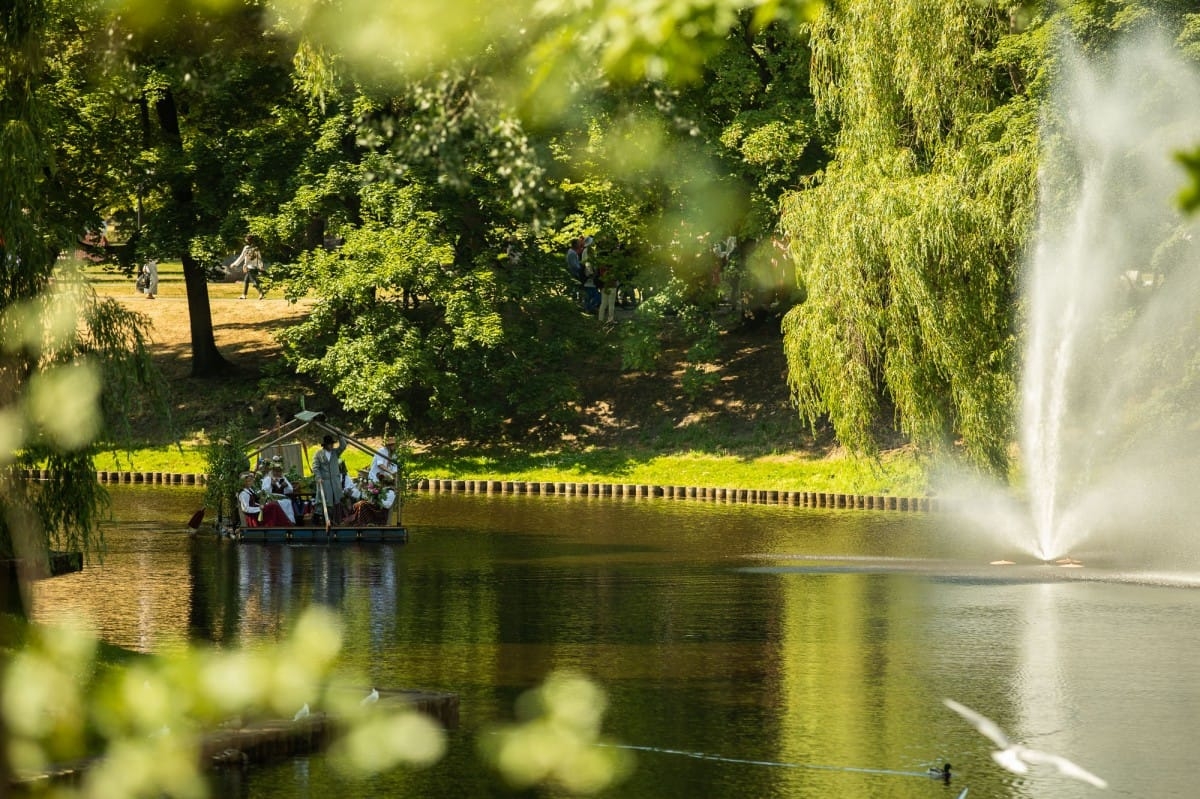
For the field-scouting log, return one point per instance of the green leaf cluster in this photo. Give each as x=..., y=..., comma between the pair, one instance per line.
x=72, y=365
x=908, y=245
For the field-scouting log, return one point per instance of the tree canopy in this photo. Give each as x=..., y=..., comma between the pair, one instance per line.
x=910, y=243
x=59, y=343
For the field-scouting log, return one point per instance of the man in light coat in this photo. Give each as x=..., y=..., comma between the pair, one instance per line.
x=326, y=468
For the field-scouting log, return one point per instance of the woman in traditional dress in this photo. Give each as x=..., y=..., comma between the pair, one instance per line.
x=277, y=484
x=375, y=506
x=259, y=514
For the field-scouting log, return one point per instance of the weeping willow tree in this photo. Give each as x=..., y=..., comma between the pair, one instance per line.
x=71, y=365
x=908, y=244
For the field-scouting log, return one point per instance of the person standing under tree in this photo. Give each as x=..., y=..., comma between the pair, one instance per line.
x=575, y=267
x=591, y=302
x=607, y=282
x=250, y=259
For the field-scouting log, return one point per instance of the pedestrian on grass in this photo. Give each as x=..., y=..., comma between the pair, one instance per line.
x=150, y=272
x=250, y=259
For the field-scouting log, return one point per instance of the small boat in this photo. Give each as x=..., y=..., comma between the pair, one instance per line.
x=311, y=534
x=288, y=448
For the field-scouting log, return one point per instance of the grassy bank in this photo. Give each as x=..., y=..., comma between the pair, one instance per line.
x=896, y=473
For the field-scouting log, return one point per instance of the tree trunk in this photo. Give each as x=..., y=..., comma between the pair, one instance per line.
x=207, y=360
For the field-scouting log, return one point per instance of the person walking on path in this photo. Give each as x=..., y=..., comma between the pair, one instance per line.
x=150, y=270
x=250, y=259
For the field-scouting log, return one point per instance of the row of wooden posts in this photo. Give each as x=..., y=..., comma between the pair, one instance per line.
x=751, y=496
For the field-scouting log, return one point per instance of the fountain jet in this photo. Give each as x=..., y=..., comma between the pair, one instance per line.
x=1110, y=383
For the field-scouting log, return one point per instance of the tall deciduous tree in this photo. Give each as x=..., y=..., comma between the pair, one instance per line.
x=910, y=242
x=435, y=310
x=908, y=245
x=59, y=343
x=210, y=114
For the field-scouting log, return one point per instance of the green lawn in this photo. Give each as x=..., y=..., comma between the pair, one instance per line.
x=109, y=282
x=897, y=474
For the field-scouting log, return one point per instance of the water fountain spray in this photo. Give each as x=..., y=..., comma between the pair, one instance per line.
x=1110, y=383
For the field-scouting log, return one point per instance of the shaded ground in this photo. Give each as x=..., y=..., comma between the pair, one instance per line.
x=246, y=332
x=745, y=412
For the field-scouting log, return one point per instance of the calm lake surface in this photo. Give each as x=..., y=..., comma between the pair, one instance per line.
x=747, y=651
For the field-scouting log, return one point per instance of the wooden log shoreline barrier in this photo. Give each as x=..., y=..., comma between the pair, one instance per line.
x=749, y=496
x=800, y=499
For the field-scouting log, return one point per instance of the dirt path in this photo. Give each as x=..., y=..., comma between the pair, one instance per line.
x=246, y=331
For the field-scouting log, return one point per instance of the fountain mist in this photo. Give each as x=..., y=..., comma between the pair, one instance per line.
x=1110, y=387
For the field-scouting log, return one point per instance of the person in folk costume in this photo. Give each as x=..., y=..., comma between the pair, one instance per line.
x=326, y=468
x=258, y=514
x=274, y=482
x=384, y=461
x=350, y=492
x=367, y=512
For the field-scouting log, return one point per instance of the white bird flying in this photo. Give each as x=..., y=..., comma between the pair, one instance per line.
x=1017, y=758
x=371, y=698
x=302, y=713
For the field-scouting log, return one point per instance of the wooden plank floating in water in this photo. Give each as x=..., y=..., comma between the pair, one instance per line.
x=280, y=738
x=268, y=739
x=336, y=534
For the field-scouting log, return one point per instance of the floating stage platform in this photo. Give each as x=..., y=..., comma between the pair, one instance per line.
x=336, y=534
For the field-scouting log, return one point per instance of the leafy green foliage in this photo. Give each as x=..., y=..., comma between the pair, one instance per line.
x=1189, y=197
x=434, y=165
x=224, y=461
x=59, y=344
x=416, y=324
x=908, y=246
x=558, y=739
x=149, y=718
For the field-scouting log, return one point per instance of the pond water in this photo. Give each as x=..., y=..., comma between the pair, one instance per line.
x=757, y=651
